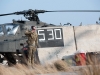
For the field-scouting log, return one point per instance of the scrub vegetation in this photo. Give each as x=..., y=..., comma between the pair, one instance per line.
x=20, y=69
x=92, y=68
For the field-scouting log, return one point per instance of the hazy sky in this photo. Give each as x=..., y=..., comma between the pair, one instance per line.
x=9, y=6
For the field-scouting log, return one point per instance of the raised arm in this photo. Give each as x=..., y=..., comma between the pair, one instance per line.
x=28, y=33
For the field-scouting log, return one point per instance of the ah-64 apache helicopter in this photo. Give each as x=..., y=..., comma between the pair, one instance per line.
x=12, y=34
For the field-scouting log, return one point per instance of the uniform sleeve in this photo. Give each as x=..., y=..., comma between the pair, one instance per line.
x=28, y=32
x=36, y=41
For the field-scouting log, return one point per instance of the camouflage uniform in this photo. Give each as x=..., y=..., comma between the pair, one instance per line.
x=32, y=43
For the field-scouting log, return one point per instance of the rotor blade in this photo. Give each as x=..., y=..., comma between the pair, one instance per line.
x=43, y=11
x=74, y=11
x=7, y=14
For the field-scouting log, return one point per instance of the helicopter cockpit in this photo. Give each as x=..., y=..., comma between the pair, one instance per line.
x=1, y=31
x=11, y=29
x=8, y=29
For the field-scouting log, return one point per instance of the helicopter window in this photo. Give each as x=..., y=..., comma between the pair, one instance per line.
x=11, y=29
x=1, y=31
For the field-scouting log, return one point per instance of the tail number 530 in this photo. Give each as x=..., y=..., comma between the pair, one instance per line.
x=49, y=34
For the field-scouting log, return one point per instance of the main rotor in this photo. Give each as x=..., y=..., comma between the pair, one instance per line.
x=32, y=15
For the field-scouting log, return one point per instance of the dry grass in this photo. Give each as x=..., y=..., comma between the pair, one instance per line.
x=20, y=69
x=61, y=66
x=93, y=68
x=90, y=70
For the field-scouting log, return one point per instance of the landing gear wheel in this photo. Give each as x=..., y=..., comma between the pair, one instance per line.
x=10, y=58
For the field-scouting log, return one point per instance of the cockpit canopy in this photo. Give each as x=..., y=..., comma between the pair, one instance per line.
x=8, y=29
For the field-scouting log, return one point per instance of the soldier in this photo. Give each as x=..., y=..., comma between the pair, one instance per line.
x=32, y=43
